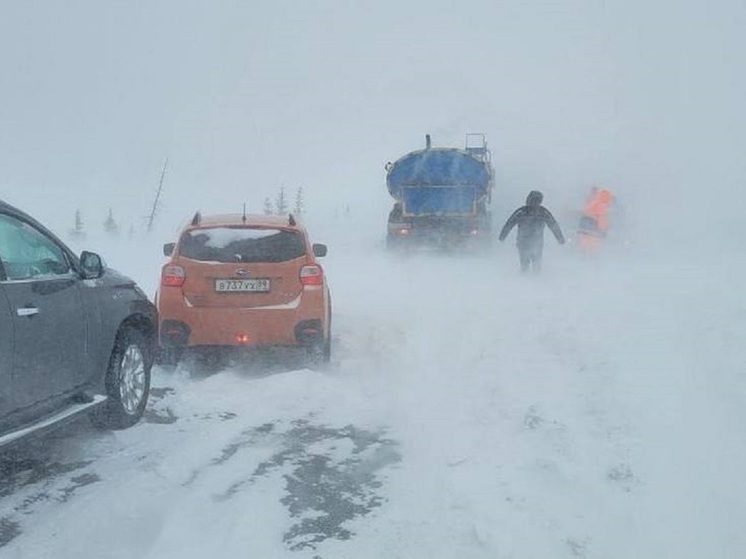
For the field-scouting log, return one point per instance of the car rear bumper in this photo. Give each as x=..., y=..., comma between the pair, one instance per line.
x=295, y=324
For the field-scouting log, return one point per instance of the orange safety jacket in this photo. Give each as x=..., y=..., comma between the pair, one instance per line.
x=595, y=219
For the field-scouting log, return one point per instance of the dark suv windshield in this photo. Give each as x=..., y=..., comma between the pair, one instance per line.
x=239, y=244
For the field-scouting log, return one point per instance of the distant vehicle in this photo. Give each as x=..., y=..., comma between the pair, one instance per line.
x=243, y=281
x=441, y=195
x=75, y=337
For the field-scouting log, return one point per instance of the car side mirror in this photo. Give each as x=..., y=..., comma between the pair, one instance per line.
x=168, y=249
x=91, y=265
x=319, y=250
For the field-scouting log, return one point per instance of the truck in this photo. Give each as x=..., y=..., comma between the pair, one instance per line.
x=441, y=196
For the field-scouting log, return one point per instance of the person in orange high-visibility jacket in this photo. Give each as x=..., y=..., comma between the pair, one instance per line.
x=594, y=223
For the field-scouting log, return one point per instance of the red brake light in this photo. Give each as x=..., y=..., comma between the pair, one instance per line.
x=173, y=276
x=311, y=275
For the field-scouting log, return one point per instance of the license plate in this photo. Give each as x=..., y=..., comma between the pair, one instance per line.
x=241, y=285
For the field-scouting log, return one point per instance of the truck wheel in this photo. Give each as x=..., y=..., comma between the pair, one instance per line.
x=127, y=382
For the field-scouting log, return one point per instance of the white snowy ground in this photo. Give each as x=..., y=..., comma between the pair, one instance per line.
x=594, y=411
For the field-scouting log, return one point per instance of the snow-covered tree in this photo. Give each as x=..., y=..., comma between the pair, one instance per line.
x=77, y=232
x=110, y=225
x=281, y=203
x=268, y=208
x=299, y=207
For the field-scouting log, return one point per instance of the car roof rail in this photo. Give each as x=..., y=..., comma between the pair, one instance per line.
x=197, y=218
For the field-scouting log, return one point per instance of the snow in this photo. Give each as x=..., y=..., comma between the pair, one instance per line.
x=595, y=410
x=592, y=411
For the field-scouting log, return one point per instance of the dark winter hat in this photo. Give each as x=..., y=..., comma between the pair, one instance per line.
x=534, y=198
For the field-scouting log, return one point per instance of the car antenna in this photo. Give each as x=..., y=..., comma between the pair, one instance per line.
x=291, y=219
x=196, y=219
x=243, y=218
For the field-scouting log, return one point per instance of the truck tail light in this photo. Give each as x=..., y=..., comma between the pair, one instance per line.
x=311, y=275
x=173, y=276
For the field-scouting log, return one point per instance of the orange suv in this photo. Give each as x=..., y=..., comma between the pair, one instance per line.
x=243, y=281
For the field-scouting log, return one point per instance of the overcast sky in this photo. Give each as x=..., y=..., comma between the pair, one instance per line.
x=245, y=97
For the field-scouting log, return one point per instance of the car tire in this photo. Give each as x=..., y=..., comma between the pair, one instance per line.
x=127, y=382
x=320, y=353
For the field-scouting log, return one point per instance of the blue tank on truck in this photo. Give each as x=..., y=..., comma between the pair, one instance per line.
x=442, y=195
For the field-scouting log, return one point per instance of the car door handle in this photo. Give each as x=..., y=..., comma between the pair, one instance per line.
x=27, y=311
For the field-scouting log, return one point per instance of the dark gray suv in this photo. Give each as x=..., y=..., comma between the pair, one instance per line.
x=75, y=337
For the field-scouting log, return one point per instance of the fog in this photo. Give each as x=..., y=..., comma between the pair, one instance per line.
x=243, y=99
x=592, y=411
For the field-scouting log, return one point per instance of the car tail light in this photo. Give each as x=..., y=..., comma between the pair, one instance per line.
x=173, y=276
x=311, y=275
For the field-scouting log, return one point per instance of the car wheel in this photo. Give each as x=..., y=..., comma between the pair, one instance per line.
x=327, y=351
x=127, y=382
x=320, y=353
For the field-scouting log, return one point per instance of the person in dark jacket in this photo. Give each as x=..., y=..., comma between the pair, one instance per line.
x=531, y=220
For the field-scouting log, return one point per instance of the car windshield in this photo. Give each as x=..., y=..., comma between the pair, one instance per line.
x=241, y=244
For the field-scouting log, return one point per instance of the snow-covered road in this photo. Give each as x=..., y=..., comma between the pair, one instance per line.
x=593, y=411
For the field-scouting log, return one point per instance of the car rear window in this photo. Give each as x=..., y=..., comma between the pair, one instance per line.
x=241, y=244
